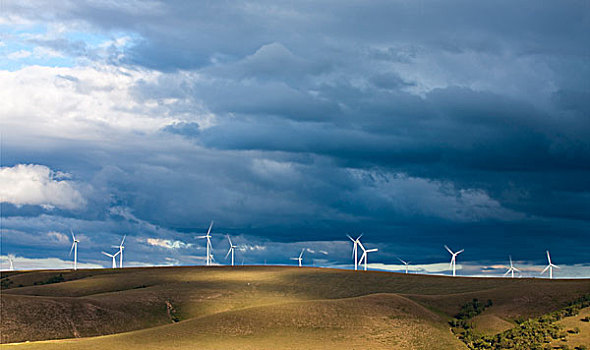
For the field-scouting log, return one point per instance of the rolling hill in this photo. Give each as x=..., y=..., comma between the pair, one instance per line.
x=259, y=307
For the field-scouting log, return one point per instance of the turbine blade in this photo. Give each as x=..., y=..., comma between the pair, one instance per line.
x=548, y=257
x=507, y=272
x=403, y=262
x=71, y=249
x=362, y=246
x=350, y=238
x=229, y=251
x=107, y=254
x=545, y=269
x=449, y=250
x=210, y=227
x=229, y=239
x=557, y=267
x=123, y=240
x=459, y=252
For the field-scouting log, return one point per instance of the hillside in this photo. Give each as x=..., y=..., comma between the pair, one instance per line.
x=259, y=307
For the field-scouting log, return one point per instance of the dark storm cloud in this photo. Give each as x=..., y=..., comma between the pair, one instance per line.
x=411, y=121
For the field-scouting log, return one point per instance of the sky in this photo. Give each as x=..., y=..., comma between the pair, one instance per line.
x=292, y=124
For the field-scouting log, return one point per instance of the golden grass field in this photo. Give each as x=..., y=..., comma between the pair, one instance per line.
x=260, y=307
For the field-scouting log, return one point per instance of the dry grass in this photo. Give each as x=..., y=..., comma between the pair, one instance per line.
x=261, y=307
x=489, y=324
x=569, y=323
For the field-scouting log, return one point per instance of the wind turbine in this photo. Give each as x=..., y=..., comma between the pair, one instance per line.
x=512, y=268
x=550, y=266
x=231, y=250
x=121, y=247
x=113, y=256
x=11, y=262
x=405, y=263
x=355, y=249
x=365, y=253
x=75, y=249
x=453, y=260
x=209, y=247
x=300, y=258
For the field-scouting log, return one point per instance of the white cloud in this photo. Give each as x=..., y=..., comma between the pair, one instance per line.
x=22, y=263
x=32, y=184
x=58, y=237
x=90, y=103
x=422, y=268
x=17, y=55
x=166, y=243
x=249, y=247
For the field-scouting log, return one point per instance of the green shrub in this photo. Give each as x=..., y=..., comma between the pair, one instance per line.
x=52, y=279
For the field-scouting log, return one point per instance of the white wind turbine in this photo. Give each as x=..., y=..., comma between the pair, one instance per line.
x=11, y=262
x=405, y=263
x=300, y=258
x=75, y=249
x=113, y=256
x=121, y=247
x=231, y=250
x=453, y=259
x=512, y=268
x=365, y=253
x=550, y=266
x=355, y=249
x=209, y=247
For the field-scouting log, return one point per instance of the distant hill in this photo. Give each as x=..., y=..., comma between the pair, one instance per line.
x=260, y=307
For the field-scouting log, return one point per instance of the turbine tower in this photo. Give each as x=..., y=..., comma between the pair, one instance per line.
x=121, y=247
x=113, y=256
x=209, y=247
x=231, y=250
x=550, y=266
x=300, y=258
x=405, y=263
x=365, y=253
x=512, y=268
x=355, y=249
x=75, y=249
x=11, y=262
x=453, y=259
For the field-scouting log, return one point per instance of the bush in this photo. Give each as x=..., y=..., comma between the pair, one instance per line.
x=52, y=279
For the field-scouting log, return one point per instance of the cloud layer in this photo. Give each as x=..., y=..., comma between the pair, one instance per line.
x=418, y=123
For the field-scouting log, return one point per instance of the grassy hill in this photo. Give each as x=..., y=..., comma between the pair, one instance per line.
x=255, y=307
